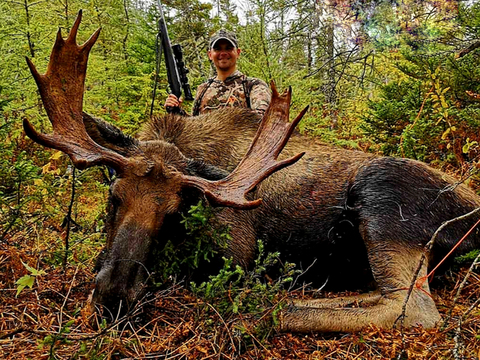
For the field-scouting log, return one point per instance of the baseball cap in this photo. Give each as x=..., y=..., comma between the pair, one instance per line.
x=223, y=34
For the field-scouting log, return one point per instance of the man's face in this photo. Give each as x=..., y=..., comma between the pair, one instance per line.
x=224, y=55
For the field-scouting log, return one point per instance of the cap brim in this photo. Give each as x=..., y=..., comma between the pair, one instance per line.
x=222, y=38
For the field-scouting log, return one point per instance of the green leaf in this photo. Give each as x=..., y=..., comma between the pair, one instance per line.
x=33, y=271
x=24, y=281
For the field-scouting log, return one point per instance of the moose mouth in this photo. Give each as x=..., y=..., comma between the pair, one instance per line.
x=122, y=278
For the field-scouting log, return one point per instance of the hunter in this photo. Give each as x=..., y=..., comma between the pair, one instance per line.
x=229, y=87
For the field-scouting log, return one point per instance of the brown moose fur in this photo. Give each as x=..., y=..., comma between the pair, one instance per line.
x=352, y=215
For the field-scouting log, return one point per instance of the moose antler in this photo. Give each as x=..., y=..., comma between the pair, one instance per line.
x=61, y=89
x=260, y=161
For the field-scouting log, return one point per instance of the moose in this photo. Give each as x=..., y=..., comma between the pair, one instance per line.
x=355, y=220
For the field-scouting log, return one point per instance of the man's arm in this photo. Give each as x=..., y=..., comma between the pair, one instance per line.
x=260, y=96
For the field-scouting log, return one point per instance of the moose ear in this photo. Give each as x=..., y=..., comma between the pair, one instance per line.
x=206, y=171
x=109, y=136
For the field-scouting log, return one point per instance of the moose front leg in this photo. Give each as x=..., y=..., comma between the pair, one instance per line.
x=370, y=298
x=393, y=270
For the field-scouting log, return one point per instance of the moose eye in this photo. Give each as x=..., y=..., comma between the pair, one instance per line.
x=159, y=200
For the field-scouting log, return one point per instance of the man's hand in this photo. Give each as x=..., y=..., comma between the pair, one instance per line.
x=172, y=101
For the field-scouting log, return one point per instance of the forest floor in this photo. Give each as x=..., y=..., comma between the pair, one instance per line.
x=49, y=321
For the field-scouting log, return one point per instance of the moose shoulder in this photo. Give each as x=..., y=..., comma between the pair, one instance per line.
x=355, y=216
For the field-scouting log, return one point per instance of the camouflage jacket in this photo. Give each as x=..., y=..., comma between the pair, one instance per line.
x=216, y=94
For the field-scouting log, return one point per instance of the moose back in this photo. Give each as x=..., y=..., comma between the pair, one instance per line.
x=356, y=217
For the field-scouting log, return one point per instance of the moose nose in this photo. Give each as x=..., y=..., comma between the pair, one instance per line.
x=121, y=280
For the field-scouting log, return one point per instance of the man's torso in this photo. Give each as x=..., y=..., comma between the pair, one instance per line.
x=216, y=94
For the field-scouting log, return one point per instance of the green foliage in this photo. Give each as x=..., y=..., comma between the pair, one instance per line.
x=204, y=237
x=424, y=118
x=54, y=341
x=248, y=292
x=467, y=258
x=18, y=173
x=29, y=279
x=426, y=113
x=233, y=290
x=387, y=118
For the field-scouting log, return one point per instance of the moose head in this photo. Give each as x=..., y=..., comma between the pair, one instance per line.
x=150, y=174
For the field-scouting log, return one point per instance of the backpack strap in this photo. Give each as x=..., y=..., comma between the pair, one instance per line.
x=198, y=101
x=247, y=87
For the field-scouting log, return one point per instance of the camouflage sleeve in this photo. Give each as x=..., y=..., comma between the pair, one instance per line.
x=260, y=96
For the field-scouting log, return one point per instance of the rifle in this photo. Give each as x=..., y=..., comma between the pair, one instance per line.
x=176, y=70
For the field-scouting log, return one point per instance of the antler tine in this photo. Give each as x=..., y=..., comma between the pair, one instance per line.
x=273, y=86
x=87, y=46
x=259, y=162
x=61, y=89
x=72, y=36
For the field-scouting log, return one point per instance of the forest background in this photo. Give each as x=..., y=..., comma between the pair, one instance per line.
x=397, y=78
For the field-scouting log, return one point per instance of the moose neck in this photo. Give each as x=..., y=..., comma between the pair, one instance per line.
x=219, y=138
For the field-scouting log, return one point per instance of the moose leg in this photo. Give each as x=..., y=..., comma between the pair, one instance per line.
x=393, y=268
x=370, y=298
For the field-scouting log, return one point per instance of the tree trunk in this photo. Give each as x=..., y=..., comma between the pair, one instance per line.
x=329, y=86
x=127, y=30
x=31, y=45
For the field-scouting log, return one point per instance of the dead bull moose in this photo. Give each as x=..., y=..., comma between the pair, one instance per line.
x=356, y=216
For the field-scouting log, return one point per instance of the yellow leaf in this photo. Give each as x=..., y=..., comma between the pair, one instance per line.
x=45, y=168
x=445, y=134
x=444, y=103
x=38, y=182
x=57, y=155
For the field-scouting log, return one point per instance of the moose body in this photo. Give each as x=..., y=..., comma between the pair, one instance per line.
x=347, y=216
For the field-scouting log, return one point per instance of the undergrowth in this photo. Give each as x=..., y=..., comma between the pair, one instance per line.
x=203, y=239
x=229, y=290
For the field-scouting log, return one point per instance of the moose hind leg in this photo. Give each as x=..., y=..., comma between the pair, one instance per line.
x=393, y=268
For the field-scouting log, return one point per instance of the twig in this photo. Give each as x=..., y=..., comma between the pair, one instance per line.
x=66, y=297
x=410, y=126
x=69, y=217
x=458, y=341
x=464, y=52
x=226, y=326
